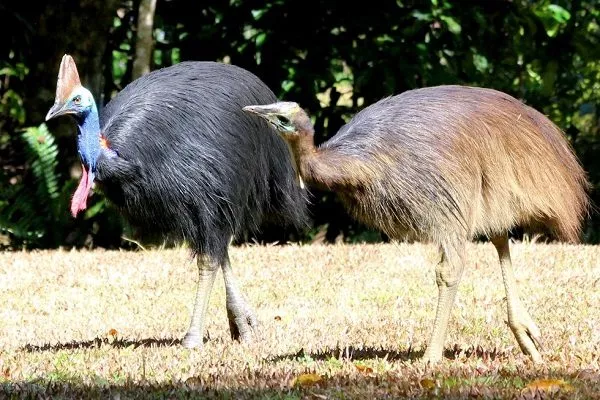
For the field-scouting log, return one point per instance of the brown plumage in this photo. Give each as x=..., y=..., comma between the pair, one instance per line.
x=444, y=164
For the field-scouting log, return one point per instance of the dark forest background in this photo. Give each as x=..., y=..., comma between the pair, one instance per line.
x=332, y=57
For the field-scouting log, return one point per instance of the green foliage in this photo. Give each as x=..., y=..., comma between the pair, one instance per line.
x=553, y=16
x=12, y=109
x=31, y=212
x=42, y=156
x=34, y=210
x=331, y=58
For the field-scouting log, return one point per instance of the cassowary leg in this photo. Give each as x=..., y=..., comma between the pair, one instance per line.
x=448, y=273
x=207, y=268
x=520, y=322
x=242, y=321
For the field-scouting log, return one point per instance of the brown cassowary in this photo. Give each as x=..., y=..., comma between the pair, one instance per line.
x=444, y=164
x=175, y=153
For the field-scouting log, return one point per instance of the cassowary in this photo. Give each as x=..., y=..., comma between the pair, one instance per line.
x=444, y=164
x=175, y=153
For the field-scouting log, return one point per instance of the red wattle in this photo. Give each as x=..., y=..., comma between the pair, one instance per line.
x=79, y=200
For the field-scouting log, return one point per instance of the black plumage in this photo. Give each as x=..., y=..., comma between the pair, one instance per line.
x=192, y=165
x=180, y=159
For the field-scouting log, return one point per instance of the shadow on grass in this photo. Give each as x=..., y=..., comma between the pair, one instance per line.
x=262, y=383
x=475, y=352
x=352, y=353
x=97, y=342
x=259, y=385
x=183, y=391
x=73, y=391
x=348, y=352
x=368, y=353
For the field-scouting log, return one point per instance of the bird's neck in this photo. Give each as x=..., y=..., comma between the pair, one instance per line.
x=89, y=124
x=89, y=136
x=316, y=166
x=302, y=146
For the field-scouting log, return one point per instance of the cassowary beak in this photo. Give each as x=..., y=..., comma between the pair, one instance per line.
x=269, y=112
x=263, y=111
x=57, y=110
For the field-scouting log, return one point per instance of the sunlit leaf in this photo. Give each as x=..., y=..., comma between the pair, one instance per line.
x=480, y=62
x=549, y=385
x=558, y=13
x=364, y=369
x=553, y=17
x=427, y=383
x=7, y=71
x=421, y=16
x=257, y=14
x=452, y=25
x=95, y=209
x=307, y=380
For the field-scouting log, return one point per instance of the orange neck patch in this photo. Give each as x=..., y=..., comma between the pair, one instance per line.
x=104, y=142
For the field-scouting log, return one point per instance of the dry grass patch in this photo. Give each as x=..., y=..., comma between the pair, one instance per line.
x=336, y=322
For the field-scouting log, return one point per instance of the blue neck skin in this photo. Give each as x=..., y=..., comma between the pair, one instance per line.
x=88, y=141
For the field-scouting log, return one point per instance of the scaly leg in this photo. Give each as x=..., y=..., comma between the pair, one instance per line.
x=520, y=322
x=242, y=321
x=207, y=269
x=448, y=273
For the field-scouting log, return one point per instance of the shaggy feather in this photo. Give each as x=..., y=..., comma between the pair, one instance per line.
x=191, y=165
x=446, y=161
x=457, y=160
x=443, y=164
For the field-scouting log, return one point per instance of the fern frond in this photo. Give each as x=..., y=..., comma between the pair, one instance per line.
x=30, y=216
x=43, y=158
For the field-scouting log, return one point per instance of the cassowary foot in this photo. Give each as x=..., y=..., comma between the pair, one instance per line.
x=242, y=322
x=192, y=340
x=527, y=334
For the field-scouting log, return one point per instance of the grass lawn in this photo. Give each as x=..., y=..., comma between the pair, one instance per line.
x=342, y=321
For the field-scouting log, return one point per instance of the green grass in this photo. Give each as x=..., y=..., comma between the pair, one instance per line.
x=343, y=321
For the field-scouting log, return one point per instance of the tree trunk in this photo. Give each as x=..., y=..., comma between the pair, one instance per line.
x=144, y=40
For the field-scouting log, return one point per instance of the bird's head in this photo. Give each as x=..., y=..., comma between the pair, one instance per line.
x=71, y=97
x=75, y=100
x=287, y=117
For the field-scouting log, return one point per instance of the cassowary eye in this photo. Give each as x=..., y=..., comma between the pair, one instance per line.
x=77, y=100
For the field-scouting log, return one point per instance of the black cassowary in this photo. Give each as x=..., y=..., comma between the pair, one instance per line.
x=175, y=153
x=444, y=164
